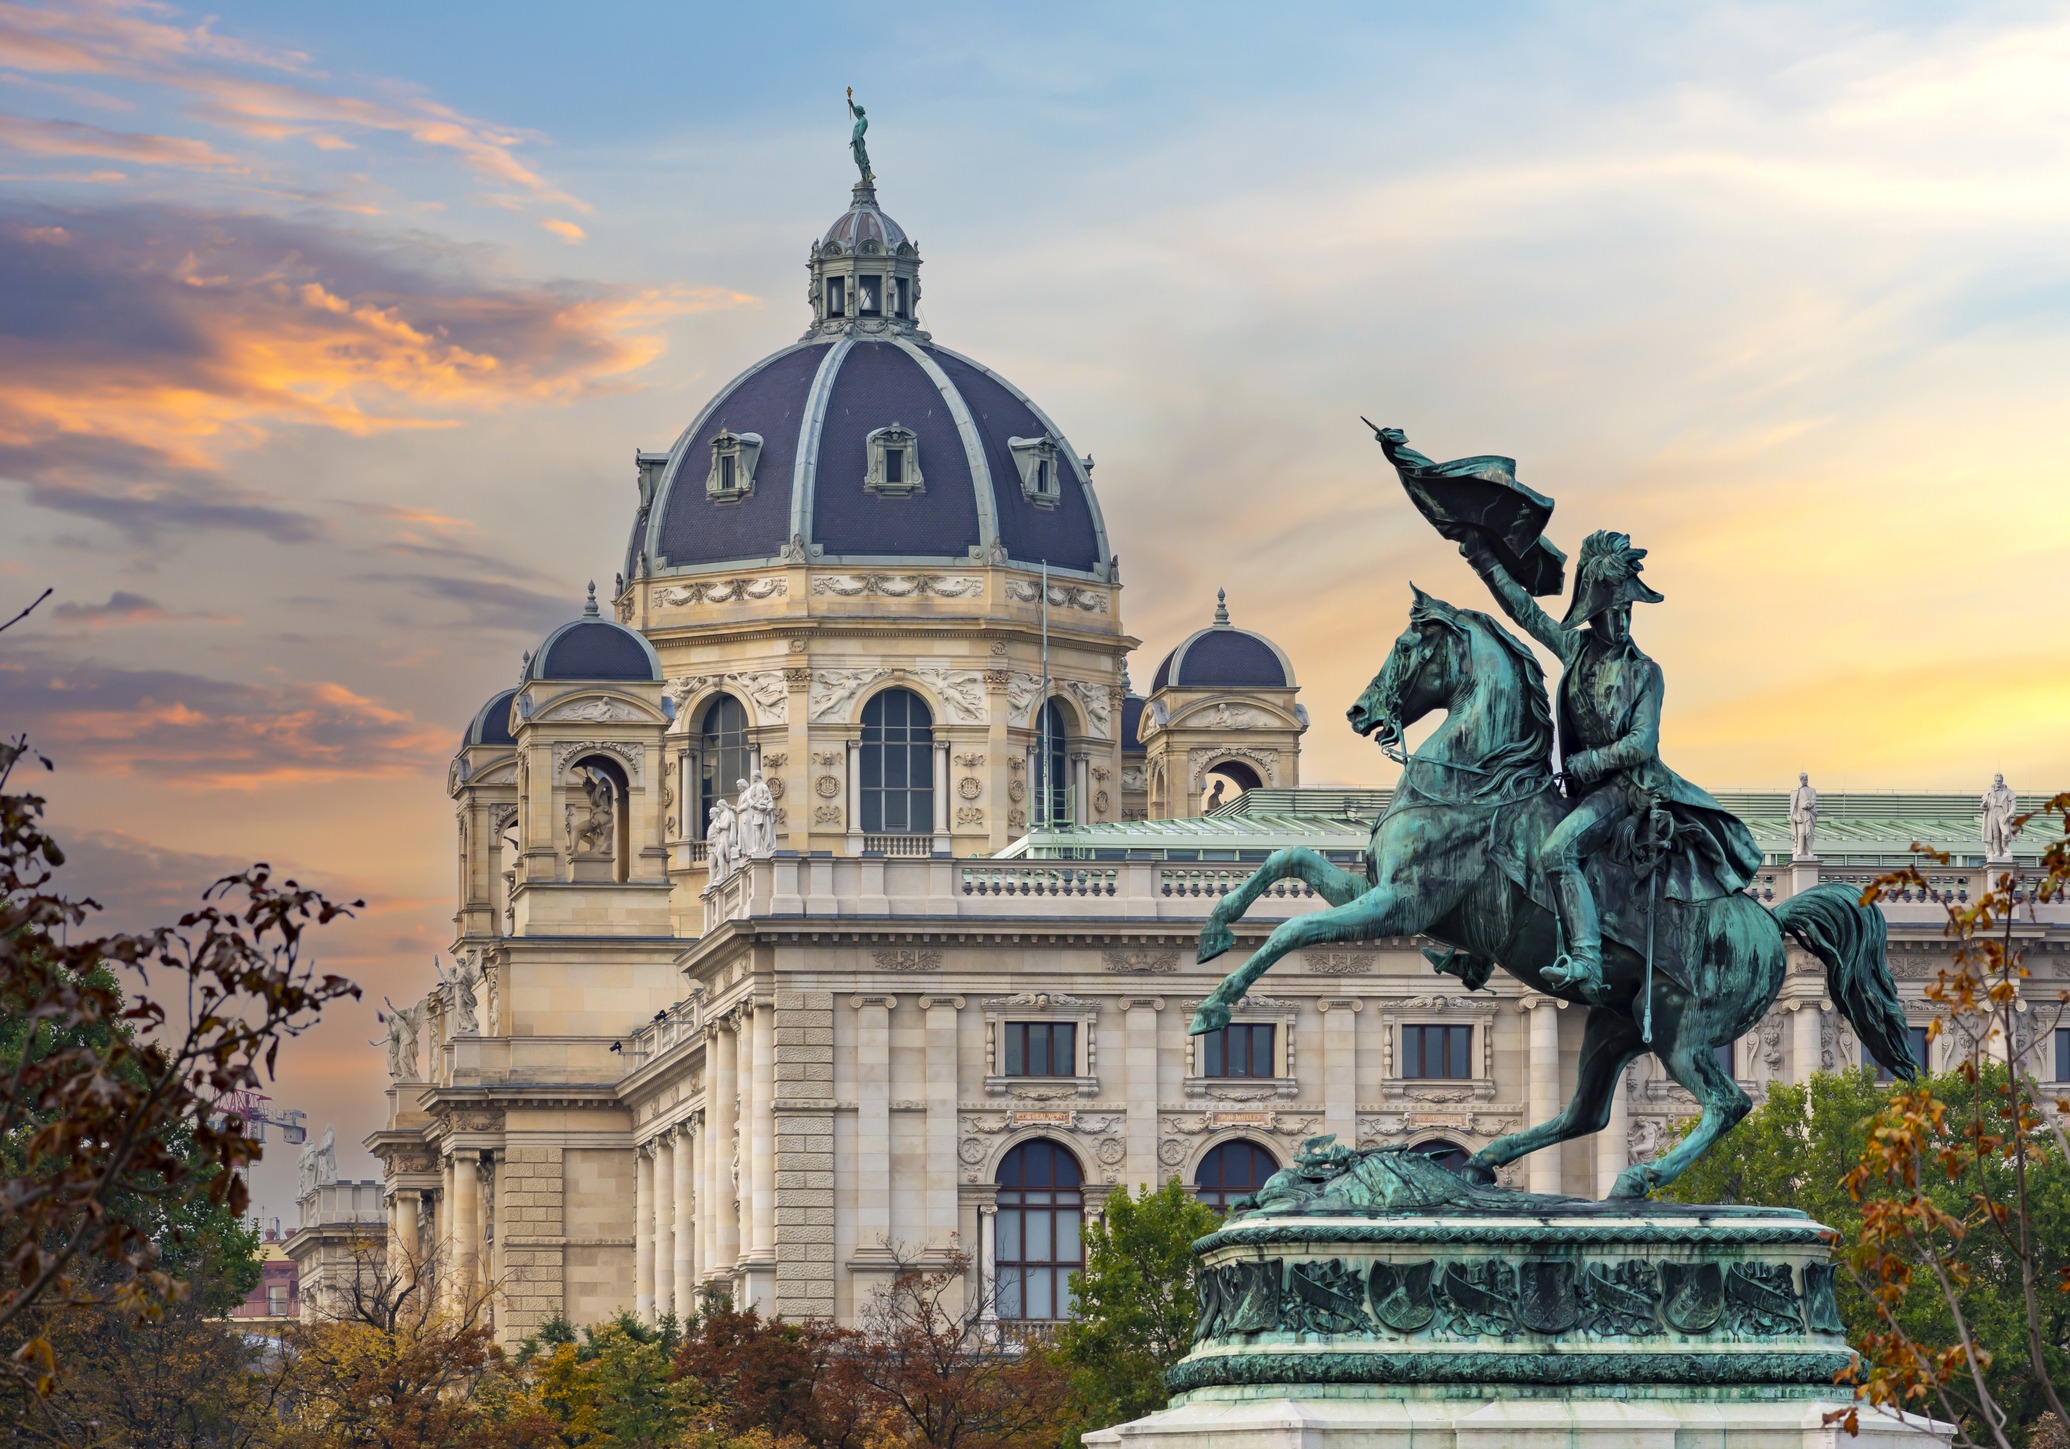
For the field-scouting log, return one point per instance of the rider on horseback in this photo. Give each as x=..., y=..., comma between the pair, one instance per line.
x=1609, y=713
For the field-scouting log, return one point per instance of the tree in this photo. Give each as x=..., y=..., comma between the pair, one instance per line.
x=796, y=1381
x=937, y=1370
x=1136, y=1303
x=109, y=1134
x=613, y=1386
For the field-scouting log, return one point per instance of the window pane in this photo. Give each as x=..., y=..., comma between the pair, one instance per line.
x=1412, y=1051
x=894, y=465
x=1461, y=1044
x=2063, y=1054
x=867, y=295
x=1919, y=1047
x=1211, y=1047
x=1009, y=1243
x=1063, y=1060
x=837, y=296
x=1040, y=1302
x=1038, y=1048
x=904, y=295
x=1016, y=1049
x=1010, y=1293
x=1723, y=1053
x=1067, y=1235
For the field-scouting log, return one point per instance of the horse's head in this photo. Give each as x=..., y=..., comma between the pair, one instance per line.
x=1421, y=674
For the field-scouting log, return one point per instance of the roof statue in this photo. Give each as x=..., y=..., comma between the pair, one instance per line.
x=2001, y=805
x=856, y=148
x=1614, y=883
x=1803, y=818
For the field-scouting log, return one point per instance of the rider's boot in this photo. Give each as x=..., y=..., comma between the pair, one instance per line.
x=1581, y=964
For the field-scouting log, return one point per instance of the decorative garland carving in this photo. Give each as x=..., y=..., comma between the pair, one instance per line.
x=722, y=591
x=634, y=756
x=898, y=586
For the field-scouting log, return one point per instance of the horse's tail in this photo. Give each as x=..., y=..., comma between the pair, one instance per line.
x=1830, y=922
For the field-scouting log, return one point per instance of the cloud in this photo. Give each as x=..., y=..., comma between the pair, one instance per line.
x=72, y=138
x=191, y=732
x=566, y=230
x=123, y=607
x=490, y=604
x=142, y=345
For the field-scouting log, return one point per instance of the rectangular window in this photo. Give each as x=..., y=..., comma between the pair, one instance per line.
x=869, y=296
x=1243, y=1049
x=1917, y=1035
x=1437, y=1051
x=895, y=465
x=2063, y=1054
x=837, y=296
x=276, y=1300
x=902, y=296
x=1040, y=1049
x=1042, y=476
x=1724, y=1053
x=727, y=464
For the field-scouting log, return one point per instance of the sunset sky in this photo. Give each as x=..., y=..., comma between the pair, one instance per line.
x=327, y=334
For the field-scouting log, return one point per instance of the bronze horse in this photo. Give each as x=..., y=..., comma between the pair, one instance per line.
x=1454, y=858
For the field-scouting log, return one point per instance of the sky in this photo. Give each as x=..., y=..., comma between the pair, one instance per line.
x=327, y=334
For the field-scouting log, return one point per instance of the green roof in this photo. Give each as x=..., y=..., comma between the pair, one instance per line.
x=1854, y=827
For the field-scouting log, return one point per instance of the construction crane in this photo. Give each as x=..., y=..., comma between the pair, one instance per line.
x=256, y=1112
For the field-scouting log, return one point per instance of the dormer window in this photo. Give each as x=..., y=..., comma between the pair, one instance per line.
x=837, y=296
x=894, y=462
x=732, y=475
x=1037, y=460
x=902, y=297
x=869, y=295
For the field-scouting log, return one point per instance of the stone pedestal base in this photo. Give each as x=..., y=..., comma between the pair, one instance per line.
x=1376, y=1418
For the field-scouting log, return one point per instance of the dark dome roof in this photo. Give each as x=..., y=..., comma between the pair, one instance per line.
x=1223, y=656
x=814, y=406
x=1131, y=720
x=593, y=647
x=491, y=723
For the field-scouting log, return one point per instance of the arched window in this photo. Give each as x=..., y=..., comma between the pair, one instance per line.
x=1225, y=782
x=1449, y=1155
x=1036, y=1249
x=897, y=765
x=1232, y=1170
x=1054, y=771
x=723, y=735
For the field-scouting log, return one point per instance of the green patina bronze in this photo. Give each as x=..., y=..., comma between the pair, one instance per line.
x=1613, y=883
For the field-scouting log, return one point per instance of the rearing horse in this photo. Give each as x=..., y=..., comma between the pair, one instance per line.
x=1455, y=858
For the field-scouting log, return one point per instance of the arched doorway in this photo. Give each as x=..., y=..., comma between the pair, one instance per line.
x=1037, y=1244
x=724, y=755
x=1232, y=1170
x=897, y=765
x=1224, y=782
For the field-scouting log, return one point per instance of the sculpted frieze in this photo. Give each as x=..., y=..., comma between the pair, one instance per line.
x=721, y=591
x=898, y=586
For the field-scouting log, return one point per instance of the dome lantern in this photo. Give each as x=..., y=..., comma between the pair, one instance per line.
x=865, y=274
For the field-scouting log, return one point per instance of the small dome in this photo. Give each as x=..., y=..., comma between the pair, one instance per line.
x=1223, y=656
x=1131, y=721
x=863, y=228
x=491, y=724
x=593, y=647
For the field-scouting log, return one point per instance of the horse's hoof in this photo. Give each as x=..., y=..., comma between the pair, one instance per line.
x=1215, y=939
x=1634, y=1182
x=1211, y=1016
x=1476, y=1172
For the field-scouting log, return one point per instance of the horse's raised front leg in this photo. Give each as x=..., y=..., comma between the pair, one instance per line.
x=1337, y=886
x=1609, y=1041
x=1382, y=911
x=1723, y=1105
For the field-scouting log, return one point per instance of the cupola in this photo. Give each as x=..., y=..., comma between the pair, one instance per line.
x=865, y=274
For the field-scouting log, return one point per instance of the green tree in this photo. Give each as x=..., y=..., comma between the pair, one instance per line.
x=613, y=1388
x=1136, y=1303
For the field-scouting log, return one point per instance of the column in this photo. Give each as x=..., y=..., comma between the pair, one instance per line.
x=1613, y=1145
x=855, y=795
x=663, y=1226
x=448, y=1241
x=722, y=1085
x=1543, y=1014
x=873, y=1123
x=988, y=1258
x=763, y=1127
x=1340, y=1068
x=941, y=794
x=467, y=1221
x=1806, y=1019
x=1081, y=811
x=643, y=1238
x=940, y=1189
x=685, y=1223
x=1139, y=1078
x=406, y=1250
x=701, y=1163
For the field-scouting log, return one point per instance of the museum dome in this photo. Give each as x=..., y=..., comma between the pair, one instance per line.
x=593, y=648
x=491, y=723
x=866, y=441
x=1223, y=656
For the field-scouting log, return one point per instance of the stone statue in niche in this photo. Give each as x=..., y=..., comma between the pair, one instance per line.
x=466, y=1016
x=757, y=813
x=720, y=842
x=596, y=832
x=2000, y=806
x=1803, y=818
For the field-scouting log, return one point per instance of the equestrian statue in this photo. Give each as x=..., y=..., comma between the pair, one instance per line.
x=1578, y=862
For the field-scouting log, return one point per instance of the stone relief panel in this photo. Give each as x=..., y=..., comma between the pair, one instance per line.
x=721, y=591
x=961, y=692
x=596, y=711
x=833, y=692
x=633, y=756
x=764, y=688
x=899, y=586
x=1061, y=596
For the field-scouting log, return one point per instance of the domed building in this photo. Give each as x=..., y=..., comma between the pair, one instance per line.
x=827, y=902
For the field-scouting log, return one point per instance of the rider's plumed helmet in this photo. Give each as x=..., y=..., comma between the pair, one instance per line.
x=1606, y=575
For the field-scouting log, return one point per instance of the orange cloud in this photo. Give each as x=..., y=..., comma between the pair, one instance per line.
x=566, y=230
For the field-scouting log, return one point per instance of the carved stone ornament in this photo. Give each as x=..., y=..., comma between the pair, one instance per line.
x=595, y=711
x=969, y=815
x=902, y=958
x=632, y=756
x=1038, y=1000
x=833, y=691
x=970, y=787
x=1061, y=596
x=1340, y=963
x=1140, y=963
x=764, y=687
x=1097, y=702
x=826, y=815
x=1112, y=1151
x=1199, y=761
x=1102, y=802
x=1222, y=715
x=721, y=591
x=827, y=787
x=961, y=692
x=970, y=761
x=898, y=586
x=972, y=1151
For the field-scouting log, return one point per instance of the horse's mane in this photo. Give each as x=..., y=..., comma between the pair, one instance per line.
x=1531, y=755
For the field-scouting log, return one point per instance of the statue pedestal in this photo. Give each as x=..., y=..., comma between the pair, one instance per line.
x=1803, y=873
x=1510, y=1319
